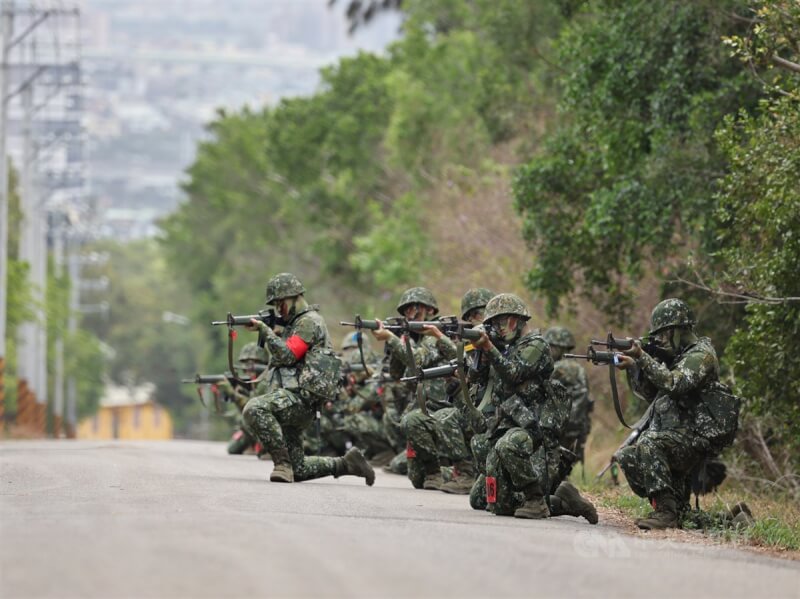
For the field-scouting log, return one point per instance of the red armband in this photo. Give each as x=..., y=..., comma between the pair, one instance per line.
x=297, y=346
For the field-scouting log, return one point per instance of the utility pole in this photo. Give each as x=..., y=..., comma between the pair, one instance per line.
x=73, y=264
x=31, y=351
x=40, y=63
x=59, y=240
x=6, y=31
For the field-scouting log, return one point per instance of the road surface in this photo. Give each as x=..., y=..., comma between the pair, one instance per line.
x=183, y=519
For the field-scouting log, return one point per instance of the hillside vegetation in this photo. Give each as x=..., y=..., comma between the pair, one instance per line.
x=593, y=156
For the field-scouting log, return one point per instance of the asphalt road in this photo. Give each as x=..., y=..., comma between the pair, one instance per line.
x=183, y=519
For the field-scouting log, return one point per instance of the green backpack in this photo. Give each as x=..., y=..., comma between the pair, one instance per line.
x=320, y=373
x=717, y=416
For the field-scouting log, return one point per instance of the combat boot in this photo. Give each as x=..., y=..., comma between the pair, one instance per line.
x=398, y=464
x=573, y=504
x=741, y=516
x=433, y=481
x=463, y=479
x=535, y=507
x=283, y=472
x=382, y=459
x=354, y=463
x=664, y=516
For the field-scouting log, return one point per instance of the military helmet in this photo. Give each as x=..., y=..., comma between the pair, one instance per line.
x=350, y=340
x=476, y=297
x=506, y=304
x=252, y=351
x=283, y=285
x=417, y=295
x=671, y=313
x=559, y=337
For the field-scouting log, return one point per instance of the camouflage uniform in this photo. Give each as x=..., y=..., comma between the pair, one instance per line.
x=657, y=466
x=524, y=464
x=462, y=477
x=303, y=371
x=239, y=396
x=430, y=437
x=572, y=375
x=363, y=408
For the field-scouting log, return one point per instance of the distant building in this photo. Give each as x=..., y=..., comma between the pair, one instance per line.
x=128, y=413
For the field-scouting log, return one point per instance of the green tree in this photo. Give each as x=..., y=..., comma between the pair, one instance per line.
x=627, y=179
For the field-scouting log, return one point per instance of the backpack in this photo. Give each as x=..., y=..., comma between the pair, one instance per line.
x=321, y=373
x=717, y=415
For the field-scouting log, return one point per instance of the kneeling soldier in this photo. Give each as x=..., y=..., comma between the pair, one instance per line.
x=525, y=463
x=304, y=371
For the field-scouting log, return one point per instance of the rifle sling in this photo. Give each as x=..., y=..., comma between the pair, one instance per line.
x=612, y=378
x=360, y=341
x=469, y=406
x=417, y=371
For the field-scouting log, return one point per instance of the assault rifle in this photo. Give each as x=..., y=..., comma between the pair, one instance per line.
x=268, y=317
x=206, y=379
x=435, y=372
x=449, y=325
x=611, y=357
x=213, y=379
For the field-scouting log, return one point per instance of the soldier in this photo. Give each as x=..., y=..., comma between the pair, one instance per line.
x=303, y=372
x=362, y=407
x=250, y=355
x=435, y=436
x=473, y=304
x=524, y=463
x=657, y=466
x=572, y=375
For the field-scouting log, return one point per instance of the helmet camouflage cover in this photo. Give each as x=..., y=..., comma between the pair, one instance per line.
x=559, y=337
x=350, y=341
x=476, y=297
x=417, y=295
x=283, y=285
x=671, y=313
x=506, y=304
x=252, y=351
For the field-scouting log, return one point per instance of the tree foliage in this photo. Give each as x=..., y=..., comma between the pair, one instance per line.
x=628, y=175
x=657, y=143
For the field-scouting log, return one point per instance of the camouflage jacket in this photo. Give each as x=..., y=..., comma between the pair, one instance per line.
x=676, y=388
x=307, y=331
x=572, y=375
x=518, y=379
x=426, y=355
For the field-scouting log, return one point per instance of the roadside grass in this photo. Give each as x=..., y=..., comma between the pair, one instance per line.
x=777, y=518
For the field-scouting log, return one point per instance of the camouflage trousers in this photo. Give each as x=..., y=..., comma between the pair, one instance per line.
x=481, y=446
x=660, y=461
x=392, y=429
x=367, y=433
x=329, y=439
x=278, y=420
x=520, y=468
x=431, y=439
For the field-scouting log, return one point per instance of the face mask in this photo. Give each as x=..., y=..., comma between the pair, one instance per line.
x=665, y=348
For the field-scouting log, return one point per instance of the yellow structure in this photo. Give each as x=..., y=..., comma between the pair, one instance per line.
x=127, y=413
